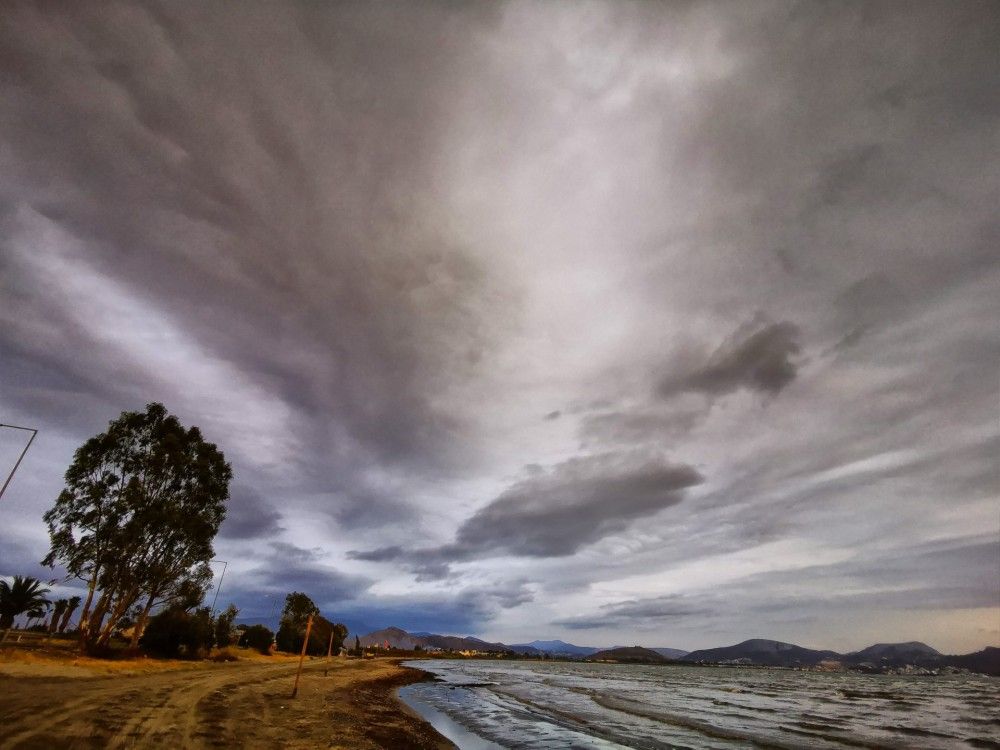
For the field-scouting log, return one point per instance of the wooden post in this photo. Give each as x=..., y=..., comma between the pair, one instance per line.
x=329, y=648
x=302, y=656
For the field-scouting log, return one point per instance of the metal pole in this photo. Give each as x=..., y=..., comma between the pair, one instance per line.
x=219, y=587
x=302, y=656
x=33, y=432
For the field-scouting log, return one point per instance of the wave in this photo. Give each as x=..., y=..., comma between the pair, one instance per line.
x=535, y=705
x=686, y=722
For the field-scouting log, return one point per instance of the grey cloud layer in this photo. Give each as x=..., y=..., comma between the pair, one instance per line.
x=278, y=216
x=935, y=576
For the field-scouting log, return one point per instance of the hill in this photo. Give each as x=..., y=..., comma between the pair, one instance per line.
x=763, y=652
x=395, y=637
x=895, y=654
x=555, y=648
x=986, y=661
x=399, y=638
x=629, y=655
x=880, y=657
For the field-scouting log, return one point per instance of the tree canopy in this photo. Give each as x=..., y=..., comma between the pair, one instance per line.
x=292, y=630
x=298, y=607
x=142, y=504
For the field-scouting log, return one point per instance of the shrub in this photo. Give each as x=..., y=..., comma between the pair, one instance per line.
x=258, y=637
x=225, y=655
x=176, y=632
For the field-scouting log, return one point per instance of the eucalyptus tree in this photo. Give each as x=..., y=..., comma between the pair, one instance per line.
x=142, y=504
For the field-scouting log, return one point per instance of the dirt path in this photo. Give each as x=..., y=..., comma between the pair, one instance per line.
x=349, y=704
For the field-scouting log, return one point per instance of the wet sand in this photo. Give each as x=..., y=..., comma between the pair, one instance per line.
x=340, y=704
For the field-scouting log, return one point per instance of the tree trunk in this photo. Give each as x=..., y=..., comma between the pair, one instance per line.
x=85, y=614
x=140, y=623
x=96, y=619
x=66, y=618
x=117, y=613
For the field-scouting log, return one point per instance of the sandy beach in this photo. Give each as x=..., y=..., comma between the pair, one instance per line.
x=85, y=703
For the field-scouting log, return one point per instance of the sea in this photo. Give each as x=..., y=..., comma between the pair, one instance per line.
x=528, y=704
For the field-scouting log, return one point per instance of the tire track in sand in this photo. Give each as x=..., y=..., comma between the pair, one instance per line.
x=184, y=708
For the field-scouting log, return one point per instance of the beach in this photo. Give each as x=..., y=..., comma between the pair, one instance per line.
x=84, y=703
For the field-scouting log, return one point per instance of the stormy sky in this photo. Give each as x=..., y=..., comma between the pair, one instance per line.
x=660, y=323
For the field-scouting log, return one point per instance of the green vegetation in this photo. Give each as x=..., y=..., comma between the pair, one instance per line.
x=142, y=504
x=258, y=637
x=292, y=631
x=177, y=632
x=25, y=596
x=224, y=632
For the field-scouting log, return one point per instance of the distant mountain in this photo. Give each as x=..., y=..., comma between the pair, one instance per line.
x=629, y=655
x=895, y=654
x=395, y=637
x=555, y=648
x=763, y=652
x=986, y=661
x=881, y=657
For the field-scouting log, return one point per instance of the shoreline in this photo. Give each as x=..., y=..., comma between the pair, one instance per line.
x=455, y=732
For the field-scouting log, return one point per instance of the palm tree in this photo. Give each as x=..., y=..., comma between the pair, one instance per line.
x=74, y=602
x=37, y=613
x=26, y=594
x=57, y=609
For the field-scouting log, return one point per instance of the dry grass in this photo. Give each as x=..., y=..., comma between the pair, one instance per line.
x=60, y=659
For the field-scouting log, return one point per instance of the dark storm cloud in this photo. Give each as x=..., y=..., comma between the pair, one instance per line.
x=428, y=564
x=249, y=516
x=286, y=567
x=639, y=425
x=18, y=558
x=362, y=509
x=555, y=513
x=463, y=612
x=383, y=554
x=759, y=356
x=576, y=503
x=637, y=612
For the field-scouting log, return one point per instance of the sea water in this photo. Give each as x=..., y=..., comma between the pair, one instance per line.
x=509, y=704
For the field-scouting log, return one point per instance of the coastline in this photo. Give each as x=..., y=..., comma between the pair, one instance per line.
x=341, y=703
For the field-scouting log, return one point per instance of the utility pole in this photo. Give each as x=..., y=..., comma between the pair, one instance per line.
x=302, y=656
x=219, y=587
x=33, y=432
